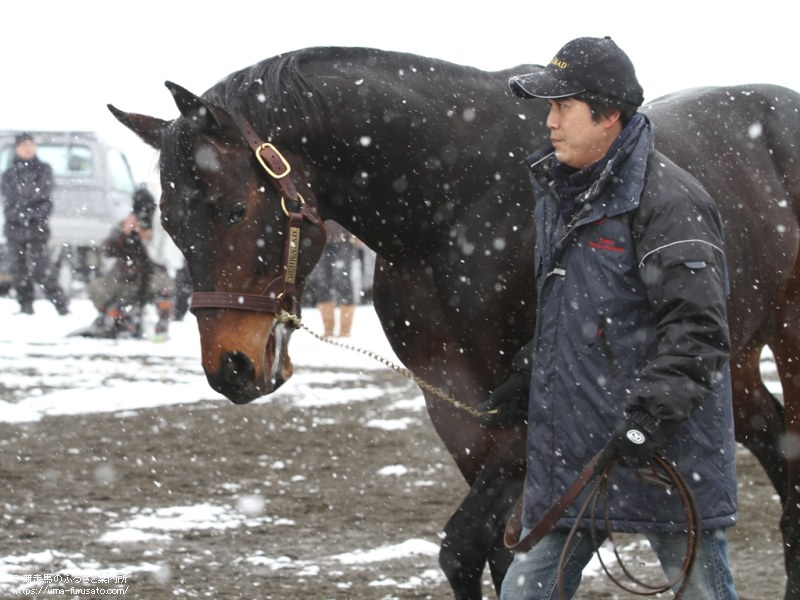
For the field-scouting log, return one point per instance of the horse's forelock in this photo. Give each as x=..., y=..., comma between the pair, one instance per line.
x=177, y=159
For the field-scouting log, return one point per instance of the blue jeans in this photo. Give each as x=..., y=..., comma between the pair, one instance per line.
x=533, y=575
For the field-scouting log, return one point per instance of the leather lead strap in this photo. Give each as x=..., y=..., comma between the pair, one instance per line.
x=672, y=478
x=555, y=512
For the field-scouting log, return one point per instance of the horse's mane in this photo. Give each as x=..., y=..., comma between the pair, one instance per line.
x=276, y=95
x=273, y=93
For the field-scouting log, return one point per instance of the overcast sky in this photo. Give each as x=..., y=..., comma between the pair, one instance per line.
x=63, y=61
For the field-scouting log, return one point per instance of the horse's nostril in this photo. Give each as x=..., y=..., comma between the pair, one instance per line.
x=236, y=369
x=235, y=378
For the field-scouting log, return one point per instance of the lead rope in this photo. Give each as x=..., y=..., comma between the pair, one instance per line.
x=670, y=479
x=294, y=321
x=673, y=479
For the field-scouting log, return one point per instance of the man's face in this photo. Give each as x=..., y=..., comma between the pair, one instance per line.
x=26, y=150
x=578, y=140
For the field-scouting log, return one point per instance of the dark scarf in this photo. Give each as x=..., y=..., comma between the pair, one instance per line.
x=570, y=183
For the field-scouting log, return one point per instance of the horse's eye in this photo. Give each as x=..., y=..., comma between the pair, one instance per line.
x=234, y=214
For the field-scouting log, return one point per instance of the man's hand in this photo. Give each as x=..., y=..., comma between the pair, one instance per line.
x=131, y=224
x=632, y=444
x=508, y=403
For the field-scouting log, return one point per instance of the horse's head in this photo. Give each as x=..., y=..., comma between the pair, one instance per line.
x=230, y=203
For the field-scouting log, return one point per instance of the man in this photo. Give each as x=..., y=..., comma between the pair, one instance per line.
x=27, y=188
x=631, y=346
x=134, y=280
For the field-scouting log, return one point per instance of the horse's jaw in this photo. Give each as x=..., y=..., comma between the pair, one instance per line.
x=248, y=368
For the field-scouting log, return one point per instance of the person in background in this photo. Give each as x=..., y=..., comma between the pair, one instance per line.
x=183, y=294
x=631, y=344
x=331, y=284
x=27, y=187
x=134, y=279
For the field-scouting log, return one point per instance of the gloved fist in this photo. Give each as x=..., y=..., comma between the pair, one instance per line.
x=508, y=403
x=632, y=444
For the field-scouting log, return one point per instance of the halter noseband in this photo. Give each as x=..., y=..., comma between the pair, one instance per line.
x=280, y=294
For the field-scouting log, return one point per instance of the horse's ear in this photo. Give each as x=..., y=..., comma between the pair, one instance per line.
x=150, y=129
x=209, y=118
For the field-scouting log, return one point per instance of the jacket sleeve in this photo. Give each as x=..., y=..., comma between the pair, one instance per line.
x=682, y=263
x=45, y=181
x=116, y=244
x=41, y=205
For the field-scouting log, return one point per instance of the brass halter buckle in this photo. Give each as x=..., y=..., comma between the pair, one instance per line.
x=276, y=152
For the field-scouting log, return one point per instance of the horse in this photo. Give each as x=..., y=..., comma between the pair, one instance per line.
x=422, y=159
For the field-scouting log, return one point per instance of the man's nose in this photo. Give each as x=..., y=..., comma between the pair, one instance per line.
x=552, y=120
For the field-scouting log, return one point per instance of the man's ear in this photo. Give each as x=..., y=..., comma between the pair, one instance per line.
x=613, y=119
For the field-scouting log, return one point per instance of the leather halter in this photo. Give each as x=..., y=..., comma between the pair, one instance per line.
x=280, y=294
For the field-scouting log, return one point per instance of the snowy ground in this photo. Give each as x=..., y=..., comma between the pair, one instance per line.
x=48, y=379
x=45, y=373
x=57, y=379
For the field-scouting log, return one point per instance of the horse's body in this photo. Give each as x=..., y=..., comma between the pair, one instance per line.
x=422, y=160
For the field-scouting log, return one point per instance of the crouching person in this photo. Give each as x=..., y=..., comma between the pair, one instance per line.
x=134, y=280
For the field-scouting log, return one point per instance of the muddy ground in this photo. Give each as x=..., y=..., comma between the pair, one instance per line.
x=312, y=474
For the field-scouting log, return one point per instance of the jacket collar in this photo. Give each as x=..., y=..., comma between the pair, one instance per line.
x=620, y=181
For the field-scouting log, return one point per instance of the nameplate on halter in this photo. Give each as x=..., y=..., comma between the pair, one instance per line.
x=291, y=260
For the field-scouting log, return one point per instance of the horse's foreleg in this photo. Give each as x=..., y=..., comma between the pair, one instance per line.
x=474, y=534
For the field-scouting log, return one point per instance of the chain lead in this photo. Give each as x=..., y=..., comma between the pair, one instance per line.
x=295, y=322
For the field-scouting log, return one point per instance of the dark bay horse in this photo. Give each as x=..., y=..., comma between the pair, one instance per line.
x=422, y=160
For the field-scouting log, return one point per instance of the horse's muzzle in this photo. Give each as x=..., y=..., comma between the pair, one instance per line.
x=237, y=377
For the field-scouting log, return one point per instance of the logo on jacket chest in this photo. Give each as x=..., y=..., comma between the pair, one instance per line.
x=600, y=237
x=605, y=244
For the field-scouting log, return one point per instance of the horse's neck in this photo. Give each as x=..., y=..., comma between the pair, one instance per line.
x=410, y=144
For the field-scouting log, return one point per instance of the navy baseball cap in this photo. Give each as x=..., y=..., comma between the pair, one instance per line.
x=584, y=65
x=23, y=137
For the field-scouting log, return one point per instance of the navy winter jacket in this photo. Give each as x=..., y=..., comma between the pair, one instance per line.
x=27, y=187
x=632, y=313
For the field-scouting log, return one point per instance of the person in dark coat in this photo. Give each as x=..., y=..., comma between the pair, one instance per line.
x=631, y=346
x=134, y=279
x=183, y=292
x=27, y=187
x=330, y=283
